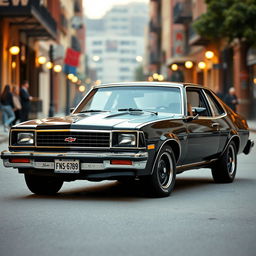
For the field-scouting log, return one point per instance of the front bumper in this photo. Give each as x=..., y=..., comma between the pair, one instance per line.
x=88, y=160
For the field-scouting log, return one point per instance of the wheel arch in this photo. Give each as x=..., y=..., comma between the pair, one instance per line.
x=236, y=140
x=174, y=144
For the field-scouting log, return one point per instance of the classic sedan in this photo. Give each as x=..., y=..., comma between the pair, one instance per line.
x=131, y=131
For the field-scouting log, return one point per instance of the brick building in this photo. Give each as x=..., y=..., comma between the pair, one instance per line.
x=178, y=53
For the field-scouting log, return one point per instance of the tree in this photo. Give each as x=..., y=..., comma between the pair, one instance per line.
x=231, y=19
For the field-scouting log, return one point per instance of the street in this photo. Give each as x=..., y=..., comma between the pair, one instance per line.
x=107, y=218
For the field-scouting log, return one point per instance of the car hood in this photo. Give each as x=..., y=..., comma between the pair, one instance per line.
x=100, y=121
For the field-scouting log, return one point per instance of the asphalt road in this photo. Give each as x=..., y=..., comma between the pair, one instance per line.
x=199, y=218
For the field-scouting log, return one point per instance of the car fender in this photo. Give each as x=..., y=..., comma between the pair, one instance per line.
x=232, y=137
x=171, y=140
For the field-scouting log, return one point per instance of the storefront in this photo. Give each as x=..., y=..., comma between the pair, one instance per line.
x=23, y=23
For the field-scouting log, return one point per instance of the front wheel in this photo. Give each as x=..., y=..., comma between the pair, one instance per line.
x=224, y=170
x=162, y=181
x=43, y=185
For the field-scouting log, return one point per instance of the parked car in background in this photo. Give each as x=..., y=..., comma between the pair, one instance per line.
x=145, y=131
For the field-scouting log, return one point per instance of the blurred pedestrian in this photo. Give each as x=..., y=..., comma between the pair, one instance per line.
x=7, y=107
x=25, y=101
x=231, y=98
x=219, y=94
x=16, y=103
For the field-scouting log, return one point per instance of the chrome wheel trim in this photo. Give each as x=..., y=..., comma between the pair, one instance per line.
x=165, y=170
x=231, y=160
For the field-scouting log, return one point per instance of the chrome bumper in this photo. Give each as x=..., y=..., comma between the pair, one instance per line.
x=45, y=160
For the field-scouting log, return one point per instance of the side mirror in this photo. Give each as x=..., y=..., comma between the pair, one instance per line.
x=198, y=110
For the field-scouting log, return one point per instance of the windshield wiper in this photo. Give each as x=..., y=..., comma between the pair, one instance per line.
x=92, y=110
x=137, y=110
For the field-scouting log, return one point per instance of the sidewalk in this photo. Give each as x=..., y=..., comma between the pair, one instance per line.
x=3, y=135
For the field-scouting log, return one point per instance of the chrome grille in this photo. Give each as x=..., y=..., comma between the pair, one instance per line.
x=73, y=139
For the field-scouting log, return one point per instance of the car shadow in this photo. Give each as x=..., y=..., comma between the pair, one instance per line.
x=131, y=192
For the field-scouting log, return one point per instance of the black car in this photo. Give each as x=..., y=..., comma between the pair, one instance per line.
x=138, y=131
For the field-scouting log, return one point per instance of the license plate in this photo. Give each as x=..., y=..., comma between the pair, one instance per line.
x=66, y=166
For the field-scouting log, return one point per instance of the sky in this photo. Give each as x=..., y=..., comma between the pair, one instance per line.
x=97, y=8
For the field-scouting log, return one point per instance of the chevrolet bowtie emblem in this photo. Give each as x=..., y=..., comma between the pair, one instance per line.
x=70, y=139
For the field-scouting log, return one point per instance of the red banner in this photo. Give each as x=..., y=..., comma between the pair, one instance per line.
x=72, y=57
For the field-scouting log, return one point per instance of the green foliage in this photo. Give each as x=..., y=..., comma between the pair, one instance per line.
x=229, y=19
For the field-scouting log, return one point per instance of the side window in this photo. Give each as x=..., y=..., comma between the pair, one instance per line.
x=216, y=107
x=196, y=103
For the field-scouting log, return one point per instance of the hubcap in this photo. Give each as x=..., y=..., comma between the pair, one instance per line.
x=231, y=160
x=165, y=170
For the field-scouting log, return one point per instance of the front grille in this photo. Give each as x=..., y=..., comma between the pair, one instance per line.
x=73, y=139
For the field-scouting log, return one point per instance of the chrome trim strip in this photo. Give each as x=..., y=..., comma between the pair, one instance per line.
x=196, y=164
x=140, y=154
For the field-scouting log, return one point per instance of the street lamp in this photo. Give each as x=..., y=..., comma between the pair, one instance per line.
x=202, y=65
x=74, y=79
x=189, y=64
x=155, y=76
x=174, y=67
x=41, y=60
x=160, y=78
x=14, y=50
x=57, y=68
x=49, y=65
x=209, y=55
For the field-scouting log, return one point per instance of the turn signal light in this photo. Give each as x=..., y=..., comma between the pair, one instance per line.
x=121, y=162
x=19, y=160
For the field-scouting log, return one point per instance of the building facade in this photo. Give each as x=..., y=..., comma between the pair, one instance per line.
x=35, y=27
x=178, y=53
x=115, y=43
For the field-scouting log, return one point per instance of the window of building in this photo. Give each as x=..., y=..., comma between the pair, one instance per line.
x=124, y=69
x=97, y=51
x=97, y=42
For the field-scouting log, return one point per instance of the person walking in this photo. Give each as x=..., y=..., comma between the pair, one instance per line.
x=231, y=99
x=25, y=101
x=7, y=107
x=16, y=103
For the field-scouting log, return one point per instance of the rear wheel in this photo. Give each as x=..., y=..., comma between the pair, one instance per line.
x=162, y=181
x=224, y=170
x=43, y=185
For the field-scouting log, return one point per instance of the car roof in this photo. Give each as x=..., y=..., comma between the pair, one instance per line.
x=167, y=84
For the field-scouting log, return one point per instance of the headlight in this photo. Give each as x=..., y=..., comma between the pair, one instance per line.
x=126, y=139
x=25, y=138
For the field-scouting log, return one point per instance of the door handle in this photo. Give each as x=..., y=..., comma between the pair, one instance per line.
x=213, y=125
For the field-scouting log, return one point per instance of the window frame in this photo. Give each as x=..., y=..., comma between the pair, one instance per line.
x=204, y=98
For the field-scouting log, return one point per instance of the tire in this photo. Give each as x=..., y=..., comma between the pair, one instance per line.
x=224, y=170
x=43, y=185
x=162, y=180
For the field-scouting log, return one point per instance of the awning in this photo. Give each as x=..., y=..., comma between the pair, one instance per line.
x=31, y=17
x=179, y=60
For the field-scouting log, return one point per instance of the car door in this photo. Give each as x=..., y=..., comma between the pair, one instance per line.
x=203, y=132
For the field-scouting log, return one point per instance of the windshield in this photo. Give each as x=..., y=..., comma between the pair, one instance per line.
x=159, y=99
